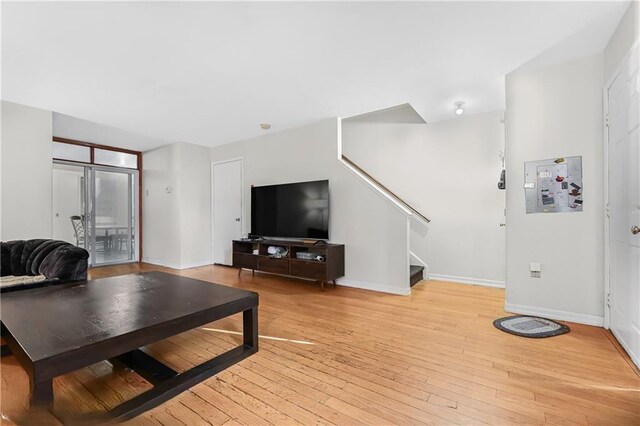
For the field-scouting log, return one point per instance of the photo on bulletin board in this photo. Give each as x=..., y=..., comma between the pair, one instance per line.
x=554, y=185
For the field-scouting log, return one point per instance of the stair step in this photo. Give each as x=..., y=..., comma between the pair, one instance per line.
x=415, y=272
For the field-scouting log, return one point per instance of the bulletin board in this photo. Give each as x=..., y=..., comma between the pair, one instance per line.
x=553, y=186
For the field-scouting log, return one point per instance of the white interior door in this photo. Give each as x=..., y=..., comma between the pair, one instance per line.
x=624, y=206
x=227, y=208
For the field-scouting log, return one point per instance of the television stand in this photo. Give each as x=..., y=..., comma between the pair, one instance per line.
x=327, y=270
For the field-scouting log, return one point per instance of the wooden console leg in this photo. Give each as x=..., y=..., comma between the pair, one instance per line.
x=40, y=394
x=239, y=270
x=321, y=285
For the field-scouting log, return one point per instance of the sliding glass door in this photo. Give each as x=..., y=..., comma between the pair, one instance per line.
x=96, y=207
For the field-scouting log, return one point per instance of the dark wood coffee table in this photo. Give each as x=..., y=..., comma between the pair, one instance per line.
x=58, y=329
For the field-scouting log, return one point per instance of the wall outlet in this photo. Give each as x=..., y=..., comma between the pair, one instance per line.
x=535, y=269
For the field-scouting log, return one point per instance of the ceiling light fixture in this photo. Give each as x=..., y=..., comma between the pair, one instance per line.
x=459, y=110
x=265, y=126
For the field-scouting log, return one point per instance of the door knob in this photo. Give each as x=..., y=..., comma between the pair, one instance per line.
x=237, y=219
x=635, y=229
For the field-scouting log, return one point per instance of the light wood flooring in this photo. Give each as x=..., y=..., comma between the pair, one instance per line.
x=349, y=356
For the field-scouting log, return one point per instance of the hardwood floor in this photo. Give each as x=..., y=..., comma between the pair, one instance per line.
x=349, y=356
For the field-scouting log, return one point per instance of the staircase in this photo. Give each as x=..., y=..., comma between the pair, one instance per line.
x=403, y=114
x=415, y=274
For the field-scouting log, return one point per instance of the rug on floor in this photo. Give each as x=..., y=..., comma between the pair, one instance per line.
x=527, y=326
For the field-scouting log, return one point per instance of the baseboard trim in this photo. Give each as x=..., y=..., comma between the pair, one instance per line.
x=175, y=266
x=159, y=263
x=196, y=264
x=467, y=280
x=595, y=320
x=624, y=347
x=374, y=287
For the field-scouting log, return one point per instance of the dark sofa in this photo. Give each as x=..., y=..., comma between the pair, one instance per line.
x=52, y=261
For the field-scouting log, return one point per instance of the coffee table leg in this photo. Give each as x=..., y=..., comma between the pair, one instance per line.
x=4, y=351
x=41, y=393
x=250, y=327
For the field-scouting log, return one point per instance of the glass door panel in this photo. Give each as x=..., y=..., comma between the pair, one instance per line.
x=113, y=216
x=69, y=208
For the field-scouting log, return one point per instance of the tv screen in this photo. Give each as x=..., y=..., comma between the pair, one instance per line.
x=293, y=210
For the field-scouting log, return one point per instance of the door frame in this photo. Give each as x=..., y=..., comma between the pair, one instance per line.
x=607, y=231
x=90, y=197
x=242, y=225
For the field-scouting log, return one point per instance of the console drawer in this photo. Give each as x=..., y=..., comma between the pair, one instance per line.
x=310, y=269
x=241, y=260
x=272, y=264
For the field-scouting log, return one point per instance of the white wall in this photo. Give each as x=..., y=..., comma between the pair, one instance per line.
x=195, y=205
x=25, y=159
x=375, y=233
x=625, y=35
x=177, y=222
x=555, y=110
x=448, y=171
x=65, y=126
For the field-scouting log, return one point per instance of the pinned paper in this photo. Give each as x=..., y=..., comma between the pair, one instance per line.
x=552, y=185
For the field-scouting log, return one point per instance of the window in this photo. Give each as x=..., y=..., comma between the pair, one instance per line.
x=65, y=151
x=115, y=158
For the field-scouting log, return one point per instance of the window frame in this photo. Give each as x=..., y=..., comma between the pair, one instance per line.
x=92, y=147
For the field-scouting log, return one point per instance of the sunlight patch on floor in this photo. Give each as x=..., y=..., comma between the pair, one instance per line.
x=279, y=339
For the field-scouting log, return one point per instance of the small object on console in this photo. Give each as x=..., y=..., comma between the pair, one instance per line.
x=307, y=255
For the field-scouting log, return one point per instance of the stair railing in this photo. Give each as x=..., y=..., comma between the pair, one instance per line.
x=384, y=189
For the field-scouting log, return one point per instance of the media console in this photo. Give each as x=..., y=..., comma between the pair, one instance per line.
x=329, y=269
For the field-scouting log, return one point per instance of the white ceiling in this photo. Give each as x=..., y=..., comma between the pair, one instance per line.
x=209, y=73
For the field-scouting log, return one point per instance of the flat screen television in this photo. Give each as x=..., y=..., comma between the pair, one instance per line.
x=292, y=210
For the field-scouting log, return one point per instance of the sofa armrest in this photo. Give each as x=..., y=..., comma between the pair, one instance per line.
x=65, y=263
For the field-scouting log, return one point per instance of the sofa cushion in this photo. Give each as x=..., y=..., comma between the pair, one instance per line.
x=17, y=267
x=28, y=253
x=5, y=259
x=41, y=253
